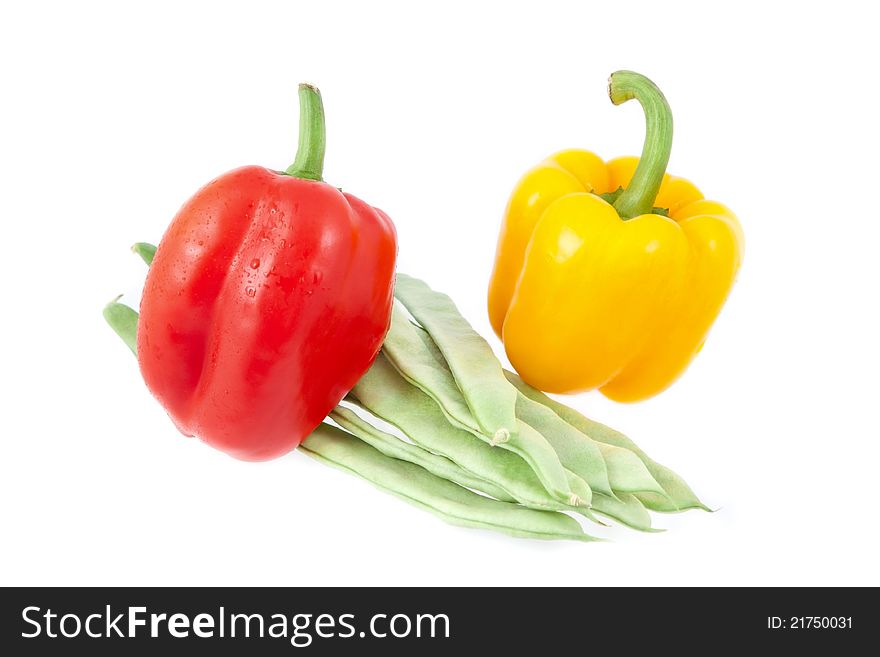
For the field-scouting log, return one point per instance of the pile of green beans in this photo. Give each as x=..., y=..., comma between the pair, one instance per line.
x=471, y=442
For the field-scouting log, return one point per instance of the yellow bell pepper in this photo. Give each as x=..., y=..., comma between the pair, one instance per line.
x=609, y=275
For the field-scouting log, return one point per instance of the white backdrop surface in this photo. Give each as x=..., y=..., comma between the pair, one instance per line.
x=112, y=114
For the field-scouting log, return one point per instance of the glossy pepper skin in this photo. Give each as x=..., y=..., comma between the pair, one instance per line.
x=268, y=298
x=596, y=288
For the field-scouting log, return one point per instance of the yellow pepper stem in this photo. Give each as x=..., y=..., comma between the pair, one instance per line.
x=638, y=197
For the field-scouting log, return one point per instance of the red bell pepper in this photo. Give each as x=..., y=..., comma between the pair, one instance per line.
x=268, y=298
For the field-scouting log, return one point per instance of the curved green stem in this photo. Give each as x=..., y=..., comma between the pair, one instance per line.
x=309, y=161
x=638, y=197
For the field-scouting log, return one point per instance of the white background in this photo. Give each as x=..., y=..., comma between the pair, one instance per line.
x=114, y=113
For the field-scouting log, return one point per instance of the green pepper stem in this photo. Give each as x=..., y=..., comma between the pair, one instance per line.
x=309, y=161
x=638, y=198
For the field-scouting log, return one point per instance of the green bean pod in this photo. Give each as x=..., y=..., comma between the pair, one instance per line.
x=443, y=498
x=145, y=250
x=394, y=447
x=607, y=468
x=678, y=495
x=626, y=509
x=474, y=366
x=427, y=370
x=123, y=320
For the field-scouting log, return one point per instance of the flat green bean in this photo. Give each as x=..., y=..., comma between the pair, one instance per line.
x=410, y=355
x=474, y=366
x=145, y=250
x=394, y=447
x=576, y=454
x=623, y=471
x=626, y=509
x=678, y=495
x=123, y=320
x=445, y=499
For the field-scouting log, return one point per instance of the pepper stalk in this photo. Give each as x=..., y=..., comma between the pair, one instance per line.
x=638, y=198
x=309, y=160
